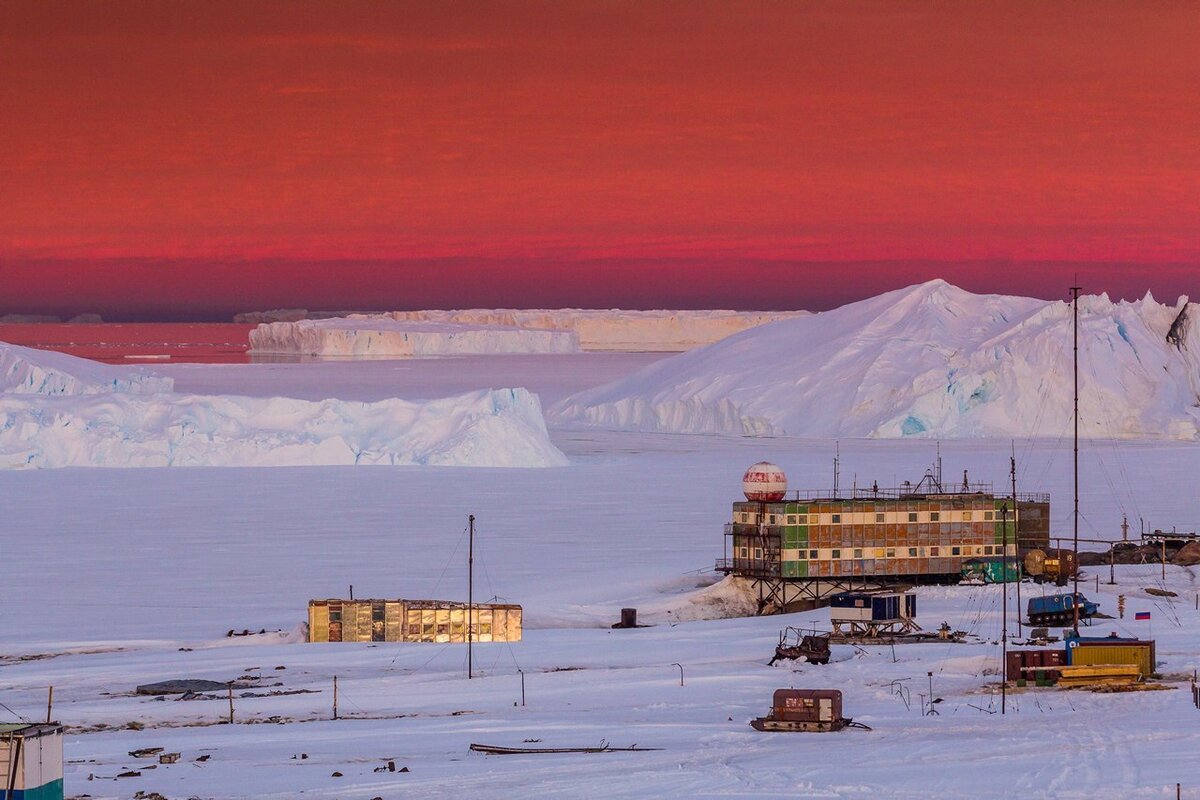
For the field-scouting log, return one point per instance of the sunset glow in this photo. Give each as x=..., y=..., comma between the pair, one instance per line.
x=195, y=159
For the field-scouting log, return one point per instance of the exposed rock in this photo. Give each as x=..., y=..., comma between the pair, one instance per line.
x=1188, y=555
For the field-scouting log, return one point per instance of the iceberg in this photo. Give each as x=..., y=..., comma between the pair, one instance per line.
x=60, y=411
x=926, y=361
x=366, y=336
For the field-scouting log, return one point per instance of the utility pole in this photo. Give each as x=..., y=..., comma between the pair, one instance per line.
x=470, y=592
x=1004, y=609
x=1075, y=334
x=1012, y=462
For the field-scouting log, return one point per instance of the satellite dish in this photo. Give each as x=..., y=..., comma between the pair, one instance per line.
x=1035, y=562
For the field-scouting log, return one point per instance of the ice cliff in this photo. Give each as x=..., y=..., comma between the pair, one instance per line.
x=929, y=360
x=60, y=411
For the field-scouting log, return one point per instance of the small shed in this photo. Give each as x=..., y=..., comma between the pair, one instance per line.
x=31, y=761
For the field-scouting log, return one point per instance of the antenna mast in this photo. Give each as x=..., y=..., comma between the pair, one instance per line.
x=1075, y=334
x=470, y=593
x=837, y=459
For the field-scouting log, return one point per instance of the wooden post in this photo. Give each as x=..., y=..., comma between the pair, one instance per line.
x=335, y=716
x=231, y=702
x=1164, y=559
x=50, y=706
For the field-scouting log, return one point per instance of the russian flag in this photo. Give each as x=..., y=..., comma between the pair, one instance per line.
x=1142, y=615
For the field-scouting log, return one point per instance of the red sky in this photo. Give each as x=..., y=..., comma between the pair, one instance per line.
x=194, y=159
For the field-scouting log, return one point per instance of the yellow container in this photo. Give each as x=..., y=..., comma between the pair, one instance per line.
x=1101, y=654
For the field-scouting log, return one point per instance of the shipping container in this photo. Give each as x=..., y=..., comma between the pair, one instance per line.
x=411, y=621
x=1027, y=664
x=31, y=761
x=1112, y=650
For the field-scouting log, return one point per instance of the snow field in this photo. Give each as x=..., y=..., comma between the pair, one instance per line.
x=413, y=704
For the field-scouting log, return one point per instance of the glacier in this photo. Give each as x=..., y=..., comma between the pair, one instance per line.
x=57, y=410
x=930, y=360
x=366, y=336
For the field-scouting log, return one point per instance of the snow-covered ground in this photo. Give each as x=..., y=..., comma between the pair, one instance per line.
x=121, y=577
x=373, y=336
x=61, y=411
x=927, y=361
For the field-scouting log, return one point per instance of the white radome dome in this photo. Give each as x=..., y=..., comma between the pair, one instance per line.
x=764, y=482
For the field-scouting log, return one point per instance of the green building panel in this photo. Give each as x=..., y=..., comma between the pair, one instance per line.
x=794, y=569
x=795, y=536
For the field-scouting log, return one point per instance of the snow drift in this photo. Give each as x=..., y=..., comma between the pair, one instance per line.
x=928, y=360
x=25, y=370
x=58, y=411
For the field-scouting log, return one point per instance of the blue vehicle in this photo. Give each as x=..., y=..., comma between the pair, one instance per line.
x=1059, y=609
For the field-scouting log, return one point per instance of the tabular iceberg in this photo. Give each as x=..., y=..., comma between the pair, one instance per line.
x=930, y=360
x=364, y=336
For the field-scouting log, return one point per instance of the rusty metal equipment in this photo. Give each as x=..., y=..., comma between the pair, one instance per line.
x=805, y=710
x=795, y=644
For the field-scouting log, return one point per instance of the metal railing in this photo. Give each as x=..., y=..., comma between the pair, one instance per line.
x=906, y=493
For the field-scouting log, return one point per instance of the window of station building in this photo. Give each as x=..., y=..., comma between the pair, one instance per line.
x=813, y=554
x=987, y=549
x=966, y=516
x=935, y=516
x=791, y=520
x=837, y=518
x=758, y=554
x=933, y=551
x=835, y=554
x=802, y=519
x=858, y=553
x=879, y=552
x=912, y=516
x=772, y=519
x=880, y=517
x=745, y=552
x=891, y=552
x=912, y=552
x=955, y=551
x=988, y=516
